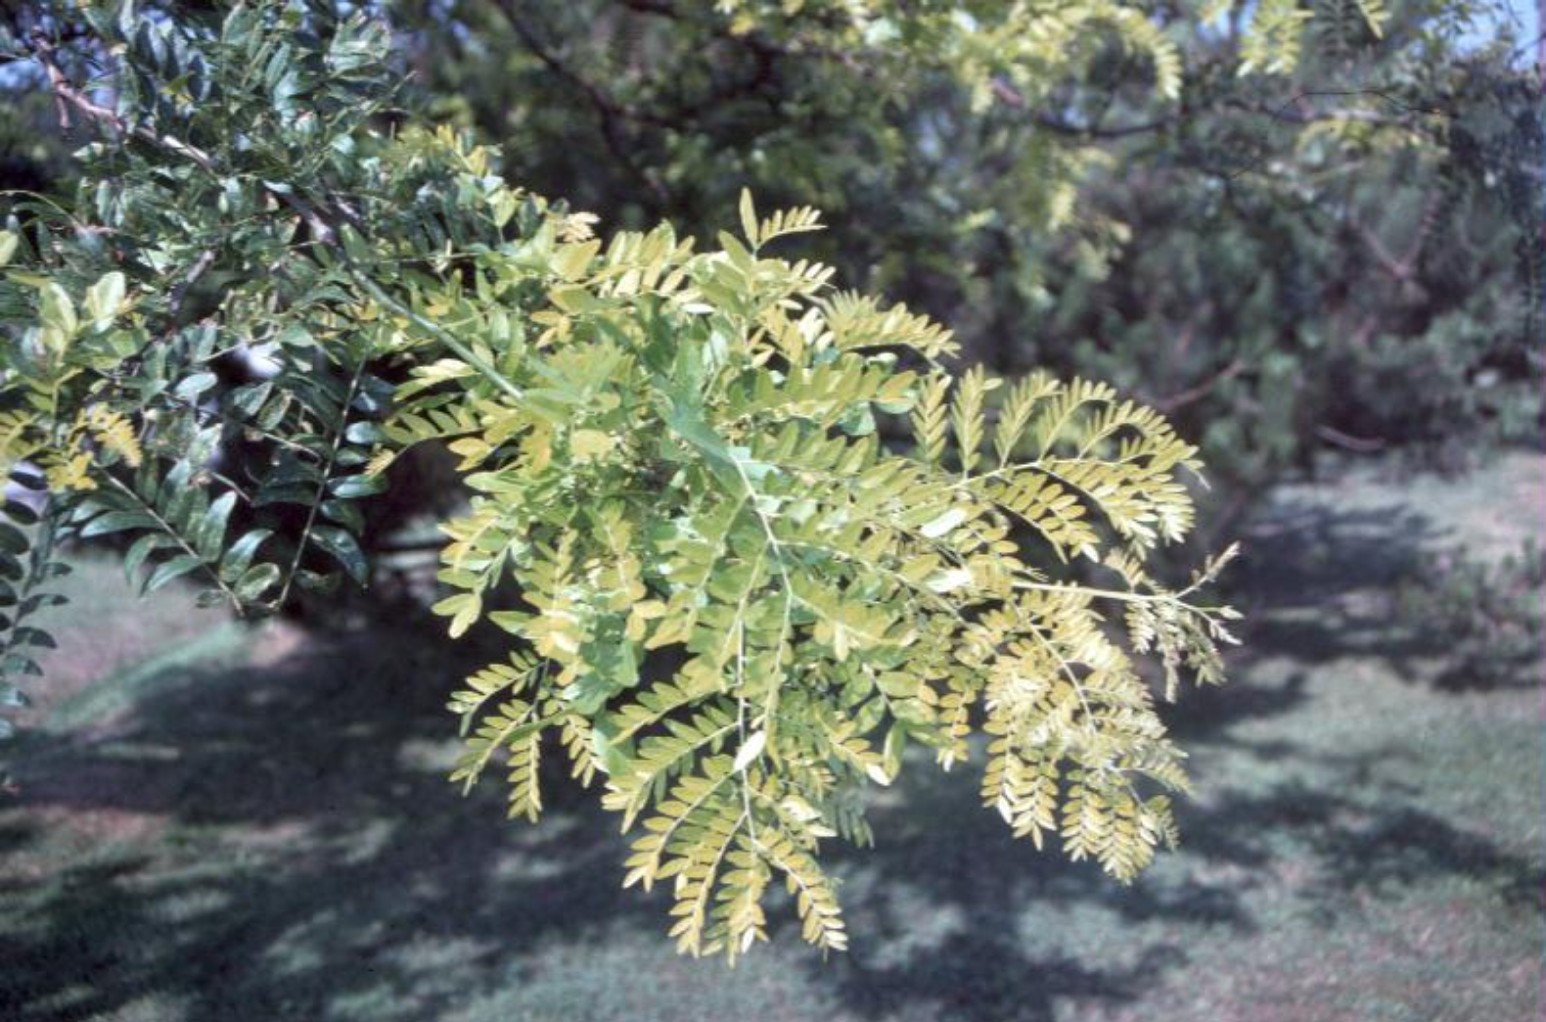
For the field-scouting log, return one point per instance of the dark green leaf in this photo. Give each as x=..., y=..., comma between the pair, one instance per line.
x=316, y=582
x=118, y=521
x=355, y=487
x=295, y=493
x=256, y=581
x=12, y=539
x=249, y=400
x=209, y=536
x=190, y=388
x=344, y=513
x=241, y=553
x=167, y=571
x=28, y=636
x=16, y=663
x=20, y=513
x=343, y=548
x=143, y=548
x=38, y=601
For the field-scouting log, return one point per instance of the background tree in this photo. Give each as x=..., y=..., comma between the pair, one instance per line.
x=1291, y=232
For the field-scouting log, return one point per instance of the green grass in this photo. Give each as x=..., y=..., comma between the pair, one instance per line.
x=215, y=825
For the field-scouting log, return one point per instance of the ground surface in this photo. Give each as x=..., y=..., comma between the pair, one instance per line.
x=217, y=824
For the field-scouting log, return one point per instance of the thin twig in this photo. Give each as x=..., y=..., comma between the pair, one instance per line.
x=66, y=92
x=1359, y=444
x=1201, y=390
x=179, y=291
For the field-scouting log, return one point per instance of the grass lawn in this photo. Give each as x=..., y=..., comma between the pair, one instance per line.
x=218, y=823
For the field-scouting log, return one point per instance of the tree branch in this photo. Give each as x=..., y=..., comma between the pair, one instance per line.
x=69, y=97
x=1198, y=392
x=608, y=109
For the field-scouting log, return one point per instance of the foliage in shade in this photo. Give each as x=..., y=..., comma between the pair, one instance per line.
x=1324, y=236
x=727, y=599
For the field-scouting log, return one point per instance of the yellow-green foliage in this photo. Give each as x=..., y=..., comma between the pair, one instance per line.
x=1035, y=47
x=749, y=537
x=691, y=472
x=64, y=342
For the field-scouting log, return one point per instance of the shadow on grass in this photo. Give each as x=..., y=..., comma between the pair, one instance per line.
x=312, y=852
x=1364, y=841
x=313, y=863
x=1321, y=584
x=954, y=914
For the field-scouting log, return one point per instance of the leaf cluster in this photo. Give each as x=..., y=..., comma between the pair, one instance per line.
x=744, y=606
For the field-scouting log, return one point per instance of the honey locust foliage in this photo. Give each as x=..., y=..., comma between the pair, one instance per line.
x=728, y=602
